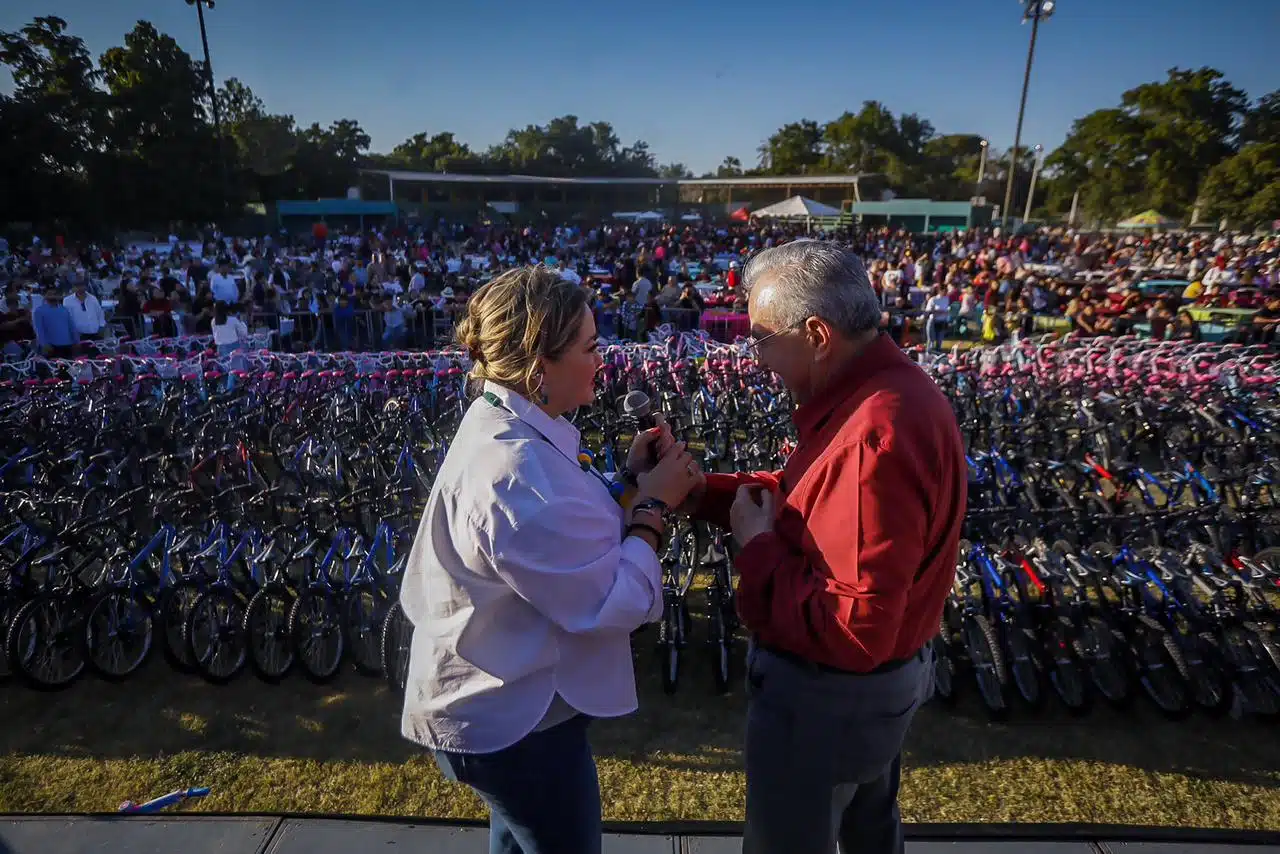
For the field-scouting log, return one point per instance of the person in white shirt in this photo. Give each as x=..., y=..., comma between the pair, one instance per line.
x=86, y=312
x=229, y=331
x=223, y=285
x=938, y=316
x=526, y=578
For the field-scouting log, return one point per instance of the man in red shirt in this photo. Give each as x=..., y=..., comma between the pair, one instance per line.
x=847, y=556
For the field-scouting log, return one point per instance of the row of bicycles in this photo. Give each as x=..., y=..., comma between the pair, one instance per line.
x=254, y=513
x=1123, y=534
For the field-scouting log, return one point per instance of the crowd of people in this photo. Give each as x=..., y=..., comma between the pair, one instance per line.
x=402, y=287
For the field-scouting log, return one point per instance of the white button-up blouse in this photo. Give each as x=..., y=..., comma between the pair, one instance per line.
x=519, y=585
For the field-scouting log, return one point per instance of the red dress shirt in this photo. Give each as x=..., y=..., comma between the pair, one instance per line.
x=869, y=511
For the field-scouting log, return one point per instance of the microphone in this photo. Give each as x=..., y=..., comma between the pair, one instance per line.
x=636, y=406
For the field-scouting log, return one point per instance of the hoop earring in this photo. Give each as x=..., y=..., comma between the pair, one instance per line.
x=539, y=392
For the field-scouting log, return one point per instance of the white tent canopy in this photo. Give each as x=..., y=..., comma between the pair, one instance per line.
x=797, y=206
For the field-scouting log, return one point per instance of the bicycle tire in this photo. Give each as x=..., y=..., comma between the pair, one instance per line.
x=9, y=605
x=721, y=650
x=1206, y=673
x=397, y=641
x=364, y=611
x=669, y=650
x=1161, y=673
x=944, y=671
x=988, y=665
x=315, y=619
x=144, y=629
x=221, y=656
x=1024, y=666
x=1103, y=654
x=1255, y=679
x=266, y=630
x=24, y=635
x=1067, y=675
x=172, y=608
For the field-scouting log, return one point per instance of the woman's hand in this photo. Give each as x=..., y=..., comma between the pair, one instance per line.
x=672, y=478
x=648, y=446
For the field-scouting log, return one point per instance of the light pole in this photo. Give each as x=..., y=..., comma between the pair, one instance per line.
x=1034, y=11
x=982, y=163
x=1035, y=173
x=213, y=99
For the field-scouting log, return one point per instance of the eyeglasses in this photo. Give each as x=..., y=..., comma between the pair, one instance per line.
x=753, y=344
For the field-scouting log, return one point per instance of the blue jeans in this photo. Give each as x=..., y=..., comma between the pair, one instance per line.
x=542, y=792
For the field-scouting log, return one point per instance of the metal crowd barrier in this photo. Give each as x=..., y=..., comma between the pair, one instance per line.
x=360, y=330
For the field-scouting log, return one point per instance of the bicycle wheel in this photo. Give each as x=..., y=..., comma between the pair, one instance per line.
x=118, y=634
x=669, y=632
x=988, y=665
x=1104, y=657
x=397, y=640
x=45, y=643
x=172, y=608
x=1024, y=669
x=214, y=635
x=1255, y=679
x=9, y=605
x=363, y=613
x=266, y=630
x=944, y=671
x=1162, y=676
x=721, y=650
x=1067, y=674
x=1206, y=674
x=315, y=625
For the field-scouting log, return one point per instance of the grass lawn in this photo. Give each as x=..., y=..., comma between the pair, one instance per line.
x=298, y=747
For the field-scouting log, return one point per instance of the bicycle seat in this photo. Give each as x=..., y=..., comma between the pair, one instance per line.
x=377, y=375
x=713, y=557
x=425, y=372
x=393, y=374
x=453, y=372
x=269, y=375
x=289, y=375
x=52, y=381
x=240, y=374
x=306, y=375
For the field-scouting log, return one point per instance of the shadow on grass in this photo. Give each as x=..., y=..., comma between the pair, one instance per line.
x=160, y=712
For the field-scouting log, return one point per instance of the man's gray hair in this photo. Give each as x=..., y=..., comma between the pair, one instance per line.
x=812, y=278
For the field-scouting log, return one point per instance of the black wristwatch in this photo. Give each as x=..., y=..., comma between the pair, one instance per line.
x=628, y=477
x=649, y=504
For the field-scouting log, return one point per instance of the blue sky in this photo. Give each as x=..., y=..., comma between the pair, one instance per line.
x=697, y=80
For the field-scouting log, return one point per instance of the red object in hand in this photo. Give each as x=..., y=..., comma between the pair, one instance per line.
x=320, y=231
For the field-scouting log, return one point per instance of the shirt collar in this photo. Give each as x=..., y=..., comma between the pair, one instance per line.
x=882, y=353
x=558, y=431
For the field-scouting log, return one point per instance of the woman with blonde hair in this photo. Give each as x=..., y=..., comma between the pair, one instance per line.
x=526, y=577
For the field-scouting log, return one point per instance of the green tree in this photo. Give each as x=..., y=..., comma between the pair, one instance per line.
x=730, y=168
x=164, y=151
x=53, y=123
x=1245, y=188
x=1262, y=122
x=793, y=149
x=440, y=152
x=674, y=171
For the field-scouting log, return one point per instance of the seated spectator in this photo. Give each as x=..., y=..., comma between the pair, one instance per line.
x=160, y=310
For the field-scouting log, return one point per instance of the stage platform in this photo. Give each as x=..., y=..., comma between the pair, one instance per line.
x=206, y=834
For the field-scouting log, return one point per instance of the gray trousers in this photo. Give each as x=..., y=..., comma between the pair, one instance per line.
x=823, y=755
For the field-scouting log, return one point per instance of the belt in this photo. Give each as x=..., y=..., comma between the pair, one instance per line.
x=806, y=664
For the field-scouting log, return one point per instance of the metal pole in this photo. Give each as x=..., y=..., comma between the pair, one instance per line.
x=1022, y=107
x=217, y=114
x=1031, y=191
x=982, y=165
x=1075, y=205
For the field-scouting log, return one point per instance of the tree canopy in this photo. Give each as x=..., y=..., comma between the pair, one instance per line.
x=128, y=139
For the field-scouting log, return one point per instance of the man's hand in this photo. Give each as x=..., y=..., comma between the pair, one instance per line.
x=747, y=519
